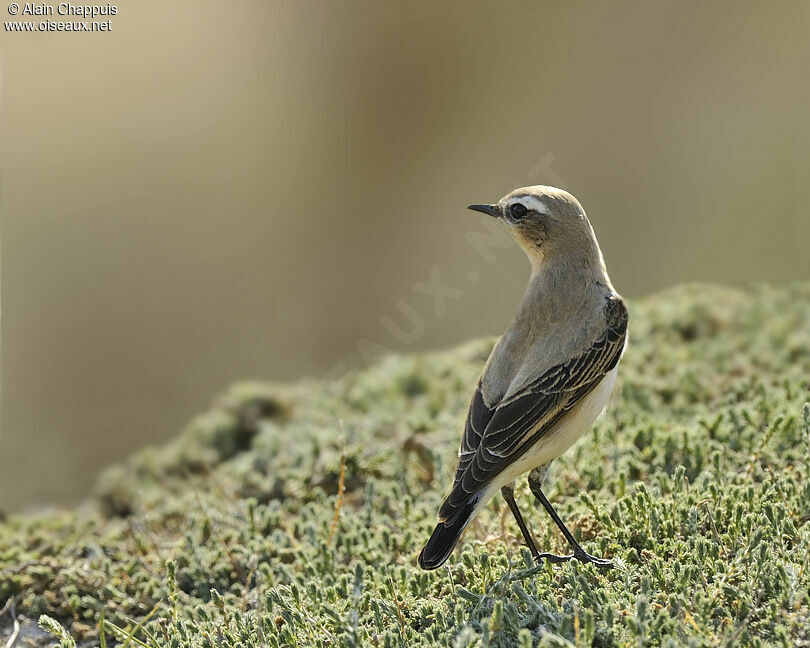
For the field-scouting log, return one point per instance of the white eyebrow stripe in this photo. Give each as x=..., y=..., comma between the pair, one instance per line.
x=532, y=203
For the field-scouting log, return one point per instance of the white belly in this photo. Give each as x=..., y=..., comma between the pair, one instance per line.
x=561, y=437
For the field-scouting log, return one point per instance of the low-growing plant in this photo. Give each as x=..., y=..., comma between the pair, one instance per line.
x=292, y=516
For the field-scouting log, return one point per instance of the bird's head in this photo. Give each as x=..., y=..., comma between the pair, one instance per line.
x=548, y=223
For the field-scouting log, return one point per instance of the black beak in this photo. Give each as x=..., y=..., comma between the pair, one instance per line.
x=491, y=210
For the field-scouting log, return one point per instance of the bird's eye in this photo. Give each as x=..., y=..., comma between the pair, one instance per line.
x=518, y=211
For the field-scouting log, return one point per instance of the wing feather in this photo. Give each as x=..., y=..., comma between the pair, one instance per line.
x=496, y=436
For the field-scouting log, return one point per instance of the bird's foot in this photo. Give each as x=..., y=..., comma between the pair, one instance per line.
x=581, y=556
x=584, y=556
x=552, y=558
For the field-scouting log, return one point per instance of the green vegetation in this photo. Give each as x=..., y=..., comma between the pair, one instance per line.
x=292, y=516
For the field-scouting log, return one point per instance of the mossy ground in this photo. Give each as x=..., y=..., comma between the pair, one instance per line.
x=293, y=516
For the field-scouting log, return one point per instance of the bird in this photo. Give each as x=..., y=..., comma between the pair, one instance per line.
x=548, y=378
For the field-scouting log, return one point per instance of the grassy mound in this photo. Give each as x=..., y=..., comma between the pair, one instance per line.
x=292, y=516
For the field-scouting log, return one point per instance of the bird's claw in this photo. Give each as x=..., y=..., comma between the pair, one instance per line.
x=594, y=560
x=553, y=558
x=582, y=556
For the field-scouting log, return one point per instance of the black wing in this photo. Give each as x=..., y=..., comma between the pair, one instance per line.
x=495, y=437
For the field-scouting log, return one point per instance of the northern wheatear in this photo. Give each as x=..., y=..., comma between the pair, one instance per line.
x=548, y=378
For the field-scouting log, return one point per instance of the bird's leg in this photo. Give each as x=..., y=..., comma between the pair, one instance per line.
x=535, y=480
x=508, y=493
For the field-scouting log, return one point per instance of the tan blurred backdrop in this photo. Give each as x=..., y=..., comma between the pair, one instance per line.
x=215, y=191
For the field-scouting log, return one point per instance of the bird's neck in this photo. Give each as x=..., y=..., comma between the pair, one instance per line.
x=582, y=273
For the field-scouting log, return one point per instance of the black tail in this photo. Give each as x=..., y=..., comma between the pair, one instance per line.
x=444, y=538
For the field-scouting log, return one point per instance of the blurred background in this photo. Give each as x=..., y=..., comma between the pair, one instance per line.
x=217, y=191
